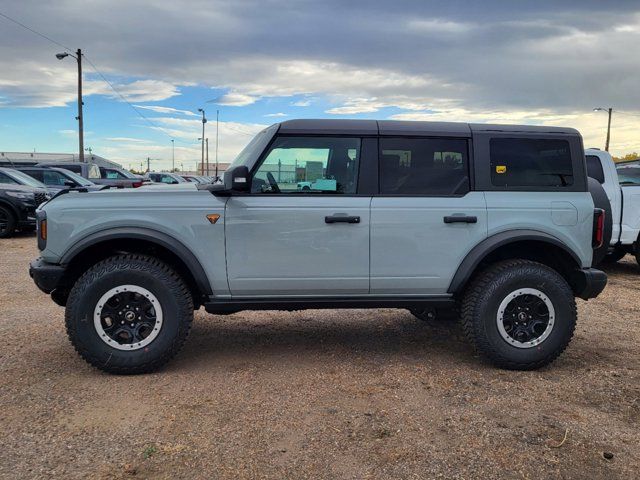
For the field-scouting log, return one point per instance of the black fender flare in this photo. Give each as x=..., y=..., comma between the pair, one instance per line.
x=148, y=234
x=492, y=243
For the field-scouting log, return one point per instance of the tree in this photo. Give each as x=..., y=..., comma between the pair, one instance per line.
x=626, y=158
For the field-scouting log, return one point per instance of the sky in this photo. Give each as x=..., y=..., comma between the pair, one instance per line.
x=258, y=62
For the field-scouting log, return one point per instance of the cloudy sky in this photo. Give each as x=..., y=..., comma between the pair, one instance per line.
x=262, y=61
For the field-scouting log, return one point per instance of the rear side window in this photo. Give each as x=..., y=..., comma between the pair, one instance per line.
x=94, y=172
x=423, y=166
x=594, y=168
x=74, y=168
x=530, y=162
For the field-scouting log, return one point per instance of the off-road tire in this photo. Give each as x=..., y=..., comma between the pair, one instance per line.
x=129, y=269
x=11, y=222
x=483, y=297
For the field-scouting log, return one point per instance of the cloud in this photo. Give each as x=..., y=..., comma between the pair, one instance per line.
x=168, y=110
x=235, y=99
x=301, y=103
x=279, y=114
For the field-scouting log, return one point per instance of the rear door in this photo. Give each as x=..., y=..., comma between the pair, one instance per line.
x=425, y=219
x=287, y=240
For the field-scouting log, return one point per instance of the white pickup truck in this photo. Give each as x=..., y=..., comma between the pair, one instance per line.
x=621, y=182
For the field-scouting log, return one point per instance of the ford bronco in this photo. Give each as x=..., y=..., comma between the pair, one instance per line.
x=495, y=222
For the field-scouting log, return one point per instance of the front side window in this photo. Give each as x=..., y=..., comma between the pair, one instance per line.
x=51, y=177
x=530, y=162
x=309, y=165
x=423, y=166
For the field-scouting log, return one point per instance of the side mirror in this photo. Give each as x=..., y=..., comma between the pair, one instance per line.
x=69, y=183
x=238, y=179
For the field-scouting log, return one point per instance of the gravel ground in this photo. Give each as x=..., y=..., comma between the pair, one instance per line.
x=318, y=394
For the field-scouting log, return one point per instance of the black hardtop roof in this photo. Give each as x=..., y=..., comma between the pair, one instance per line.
x=326, y=126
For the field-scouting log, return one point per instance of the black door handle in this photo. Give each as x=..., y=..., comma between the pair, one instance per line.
x=341, y=219
x=461, y=219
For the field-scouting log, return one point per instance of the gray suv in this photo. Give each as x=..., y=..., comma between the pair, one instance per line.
x=495, y=221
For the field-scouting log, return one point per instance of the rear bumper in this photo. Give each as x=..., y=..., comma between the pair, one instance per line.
x=45, y=275
x=589, y=283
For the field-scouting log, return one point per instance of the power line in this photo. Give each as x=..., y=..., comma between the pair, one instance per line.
x=36, y=32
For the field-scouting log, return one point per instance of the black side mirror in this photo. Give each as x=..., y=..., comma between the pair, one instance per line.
x=238, y=179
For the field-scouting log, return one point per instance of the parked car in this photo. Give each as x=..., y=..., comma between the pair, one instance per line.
x=19, y=198
x=497, y=219
x=622, y=186
x=196, y=179
x=165, y=177
x=119, y=178
x=90, y=171
x=57, y=179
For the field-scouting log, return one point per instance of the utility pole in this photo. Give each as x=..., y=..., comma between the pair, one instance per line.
x=606, y=147
x=204, y=120
x=148, y=164
x=78, y=57
x=609, y=111
x=207, y=142
x=173, y=155
x=217, y=128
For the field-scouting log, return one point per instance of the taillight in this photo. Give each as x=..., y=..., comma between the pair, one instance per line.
x=136, y=184
x=598, y=227
x=41, y=228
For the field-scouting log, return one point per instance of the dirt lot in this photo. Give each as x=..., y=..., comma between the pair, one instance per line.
x=318, y=394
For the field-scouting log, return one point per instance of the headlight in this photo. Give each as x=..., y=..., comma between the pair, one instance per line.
x=21, y=195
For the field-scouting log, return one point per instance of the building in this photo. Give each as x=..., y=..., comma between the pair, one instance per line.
x=8, y=159
x=222, y=167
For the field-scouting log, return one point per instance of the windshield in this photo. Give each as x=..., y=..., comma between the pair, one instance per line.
x=126, y=173
x=76, y=178
x=24, y=179
x=255, y=146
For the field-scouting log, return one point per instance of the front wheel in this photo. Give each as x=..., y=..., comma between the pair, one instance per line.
x=519, y=314
x=129, y=314
x=7, y=222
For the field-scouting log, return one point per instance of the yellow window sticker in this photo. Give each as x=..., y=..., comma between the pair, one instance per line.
x=501, y=169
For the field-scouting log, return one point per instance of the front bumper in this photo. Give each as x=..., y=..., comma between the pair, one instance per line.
x=45, y=275
x=589, y=282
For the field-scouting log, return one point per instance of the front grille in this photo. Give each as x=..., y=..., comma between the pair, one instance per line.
x=40, y=198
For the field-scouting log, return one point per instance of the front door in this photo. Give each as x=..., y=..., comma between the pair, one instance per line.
x=303, y=230
x=425, y=219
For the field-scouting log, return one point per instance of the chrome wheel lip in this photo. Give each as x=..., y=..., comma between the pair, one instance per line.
x=500, y=318
x=97, y=317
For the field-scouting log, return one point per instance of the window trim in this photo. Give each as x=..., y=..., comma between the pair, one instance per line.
x=426, y=137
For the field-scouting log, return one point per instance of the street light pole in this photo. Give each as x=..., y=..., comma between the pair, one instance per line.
x=173, y=155
x=217, y=128
x=78, y=57
x=609, y=111
x=207, y=142
x=204, y=120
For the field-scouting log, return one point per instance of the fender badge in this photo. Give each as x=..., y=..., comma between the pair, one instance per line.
x=213, y=217
x=501, y=168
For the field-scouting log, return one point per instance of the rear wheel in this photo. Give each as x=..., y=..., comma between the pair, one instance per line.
x=615, y=255
x=7, y=222
x=129, y=314
x=519, y=314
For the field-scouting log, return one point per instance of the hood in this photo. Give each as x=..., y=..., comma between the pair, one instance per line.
x=21, y=188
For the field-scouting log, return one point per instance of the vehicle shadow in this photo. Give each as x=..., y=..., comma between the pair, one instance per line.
x=370, y=334
x=621, y=267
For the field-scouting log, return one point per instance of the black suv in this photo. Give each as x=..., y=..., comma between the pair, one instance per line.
x=20, y=195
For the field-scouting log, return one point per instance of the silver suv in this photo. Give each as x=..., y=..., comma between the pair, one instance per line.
x=496, y=221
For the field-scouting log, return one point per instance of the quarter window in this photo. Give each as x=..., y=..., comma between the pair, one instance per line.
x=530, y=162
x=427, y=166
x=309, y=165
